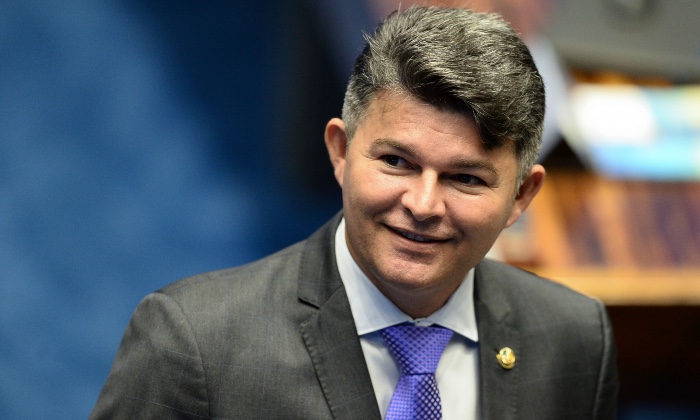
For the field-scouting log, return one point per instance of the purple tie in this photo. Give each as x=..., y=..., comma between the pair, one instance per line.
x=417, y=350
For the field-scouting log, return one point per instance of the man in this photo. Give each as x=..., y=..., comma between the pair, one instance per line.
x=435, y=155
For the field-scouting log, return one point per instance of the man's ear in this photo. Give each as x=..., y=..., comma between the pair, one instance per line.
x=528, y=190
x=337, y=144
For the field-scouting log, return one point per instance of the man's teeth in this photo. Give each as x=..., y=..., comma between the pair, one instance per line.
x=413, y=237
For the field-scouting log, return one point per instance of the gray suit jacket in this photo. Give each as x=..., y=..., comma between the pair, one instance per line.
x=276, y=339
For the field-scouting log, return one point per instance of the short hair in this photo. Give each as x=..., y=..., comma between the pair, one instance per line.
x=459, y=60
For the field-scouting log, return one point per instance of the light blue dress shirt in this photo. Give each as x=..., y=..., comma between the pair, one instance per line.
x=457, y=373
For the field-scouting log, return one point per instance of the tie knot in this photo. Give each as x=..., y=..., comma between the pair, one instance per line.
x=417, y=350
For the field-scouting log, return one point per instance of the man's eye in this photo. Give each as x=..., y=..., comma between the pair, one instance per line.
x=395, y=161
x=469, y=179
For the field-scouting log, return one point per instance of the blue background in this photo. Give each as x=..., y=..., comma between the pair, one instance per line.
x=140, y=142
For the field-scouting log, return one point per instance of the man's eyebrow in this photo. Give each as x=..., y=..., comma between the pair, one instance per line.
x=412, y=152
x=475, y=164
x=395, y=144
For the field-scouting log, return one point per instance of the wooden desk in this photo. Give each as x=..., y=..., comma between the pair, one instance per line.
x=624, y=242
x=636, y=246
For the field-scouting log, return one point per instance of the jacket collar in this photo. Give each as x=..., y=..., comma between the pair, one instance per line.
x=330, y=334
x=334, y=347
x=499, y=393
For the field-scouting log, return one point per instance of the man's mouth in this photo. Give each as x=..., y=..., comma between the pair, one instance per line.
x=415, y=237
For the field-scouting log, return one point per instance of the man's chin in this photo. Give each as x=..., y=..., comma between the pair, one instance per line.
x=409, y=278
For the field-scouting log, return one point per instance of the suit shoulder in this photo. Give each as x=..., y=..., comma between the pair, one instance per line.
x=279, y=266
x=528, y=288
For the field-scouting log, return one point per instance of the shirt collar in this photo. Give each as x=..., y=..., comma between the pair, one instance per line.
x=372, y=311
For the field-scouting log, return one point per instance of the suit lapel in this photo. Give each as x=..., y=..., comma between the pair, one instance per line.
x=330, y=334
x=499, y=391
x=334, y=348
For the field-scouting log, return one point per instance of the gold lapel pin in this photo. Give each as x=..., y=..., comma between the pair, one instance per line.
x=506, y=358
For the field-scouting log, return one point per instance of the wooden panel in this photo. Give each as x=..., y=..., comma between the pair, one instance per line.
x=625, y=242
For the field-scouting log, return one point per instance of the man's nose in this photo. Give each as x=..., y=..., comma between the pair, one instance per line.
x=424, y=197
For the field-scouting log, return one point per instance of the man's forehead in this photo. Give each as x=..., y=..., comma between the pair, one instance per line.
x=387, y=100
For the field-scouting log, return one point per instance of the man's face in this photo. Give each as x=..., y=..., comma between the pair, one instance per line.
x=423, y=200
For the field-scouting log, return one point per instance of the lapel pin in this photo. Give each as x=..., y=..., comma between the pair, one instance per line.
x=506, y=358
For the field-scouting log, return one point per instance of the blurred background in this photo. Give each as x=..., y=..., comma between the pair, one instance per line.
x=145, y=141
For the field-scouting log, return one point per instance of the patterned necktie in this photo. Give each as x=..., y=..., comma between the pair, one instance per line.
x=417, y=350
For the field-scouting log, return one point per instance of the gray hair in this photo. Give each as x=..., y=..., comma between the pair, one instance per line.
x=458, y=60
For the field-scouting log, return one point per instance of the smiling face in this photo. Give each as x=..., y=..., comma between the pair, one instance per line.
x=423, y=200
